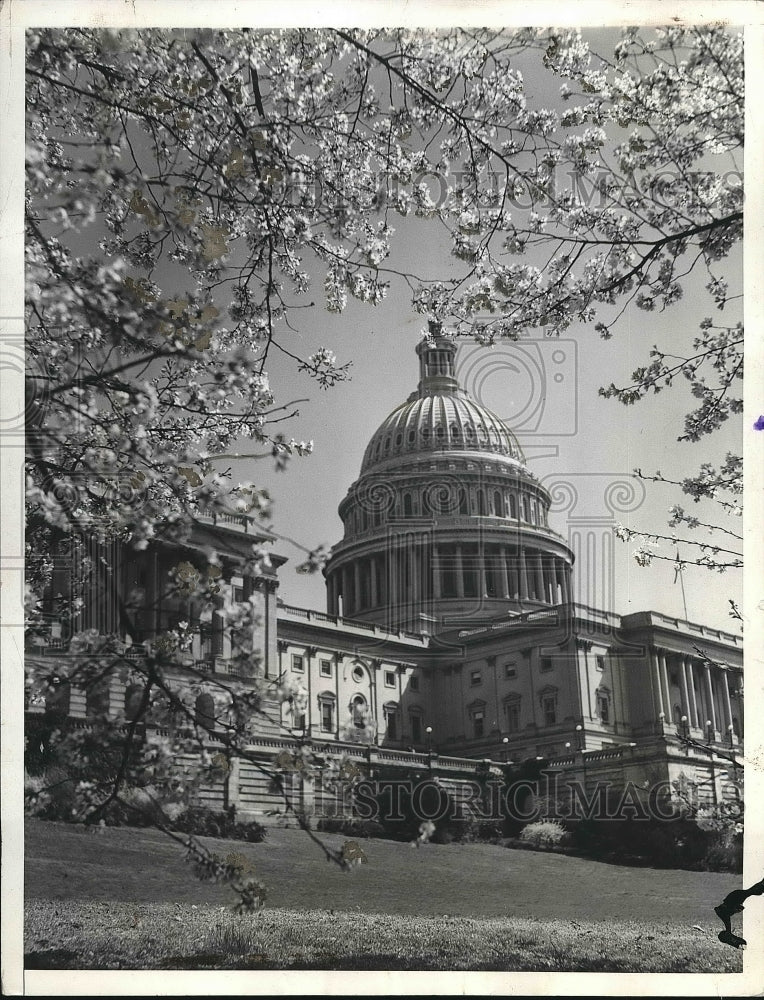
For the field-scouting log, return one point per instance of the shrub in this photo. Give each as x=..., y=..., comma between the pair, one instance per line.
x=56, y=794
x=674, y=843
x=207, y=823
x=724, y=852
x=545, y=834
x=350, y=827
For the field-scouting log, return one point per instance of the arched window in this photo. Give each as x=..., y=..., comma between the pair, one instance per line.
x=358, y=711
x=463, y=506
x=512, y=505
x=481, y=503
x=133, y=701
x=204, y=711
x=407, y=505
x=498, y=504
x=391, y=720
x=58, y=696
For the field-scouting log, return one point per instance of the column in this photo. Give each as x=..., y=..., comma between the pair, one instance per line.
x=503, y=575
x=726, y=690
x=538, y=576
x=550, y=582
x=435, y=572
x=459, y=572
x=392, y=569
x=346, y=593
x=416, y=586
x=658, y=686
x=685, y=691
x=523, y=571
x=373, y=595
x=666, y=687
x=565, y=581
x=695, y=718
x=357, y=585
x=482, y=580
x=710, y=691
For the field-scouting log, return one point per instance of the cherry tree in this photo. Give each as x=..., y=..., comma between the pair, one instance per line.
x=192, y=193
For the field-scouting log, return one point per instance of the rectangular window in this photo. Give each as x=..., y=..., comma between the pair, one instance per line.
x=416, y=728
x=510, y=670
x=604, y=708
x=513, y=716
x=327, y=717
x=477, y=724
x=298, y=664
x=600, y=663
x=414, y=682
x=390, y=678
x=326, y=668
x=546, y=663
x=475, y=678
x=237, y=594
x=549, y=705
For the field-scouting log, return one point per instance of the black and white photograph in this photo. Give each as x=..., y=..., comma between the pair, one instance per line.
x=373, y=438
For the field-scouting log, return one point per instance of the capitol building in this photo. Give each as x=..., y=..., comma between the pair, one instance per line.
x=452, y=632
x=451, y=619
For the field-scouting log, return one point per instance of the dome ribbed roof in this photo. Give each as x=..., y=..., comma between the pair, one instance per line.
x=445, y=422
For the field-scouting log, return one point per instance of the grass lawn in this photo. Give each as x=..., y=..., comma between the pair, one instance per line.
x=127, y=897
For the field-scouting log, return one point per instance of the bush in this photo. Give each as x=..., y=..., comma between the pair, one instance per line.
x=468, y=830
x=545, y=834
x=350, y=827
x=56, y=794
x=206, y=823
x=724, y=852
x=674, y=843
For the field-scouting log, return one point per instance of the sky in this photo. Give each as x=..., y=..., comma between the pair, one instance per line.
x=547, y=392
x=546, y=389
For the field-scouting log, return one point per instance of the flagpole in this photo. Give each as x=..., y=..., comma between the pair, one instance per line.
x=679, y=572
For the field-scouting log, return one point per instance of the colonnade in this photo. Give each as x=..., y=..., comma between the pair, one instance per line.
x=700, y=691
x=414, y=571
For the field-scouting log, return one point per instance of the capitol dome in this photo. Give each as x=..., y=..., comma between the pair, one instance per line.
x=445, y=523
x=439, y=422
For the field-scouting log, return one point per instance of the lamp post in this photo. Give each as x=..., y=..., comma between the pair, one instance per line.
x=505, y=743
x=731, y=734
x=428, y=731
x=685, y=734
x=709, y=731
x=580, y=736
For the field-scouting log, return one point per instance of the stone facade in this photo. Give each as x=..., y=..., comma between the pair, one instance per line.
x=452, y=634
